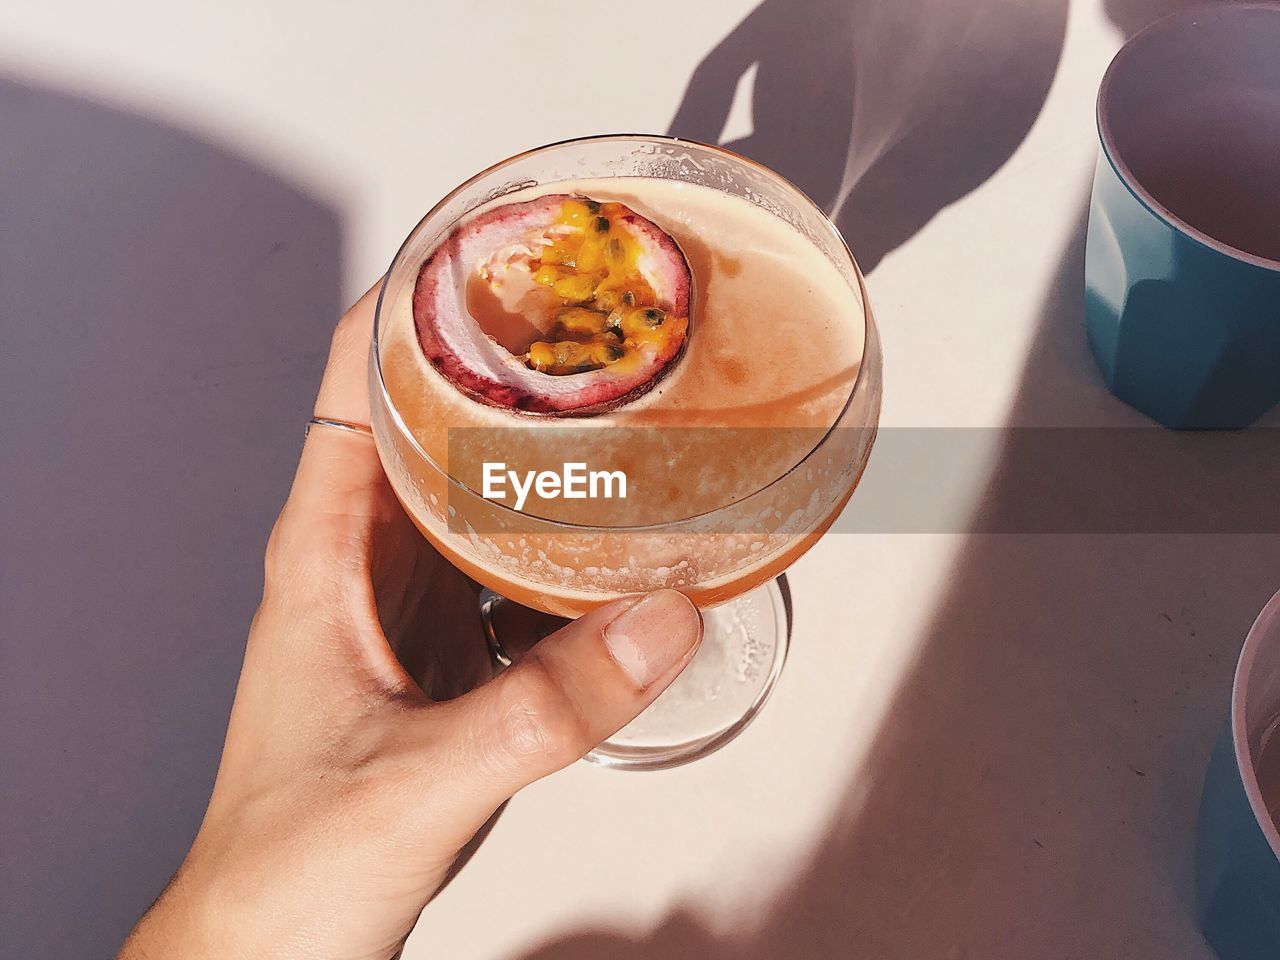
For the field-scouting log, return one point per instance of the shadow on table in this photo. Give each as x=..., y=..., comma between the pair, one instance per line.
x=1033, y=790
x=167, y=312
x=883, y=111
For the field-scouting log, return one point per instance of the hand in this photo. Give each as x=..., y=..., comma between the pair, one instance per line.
x=346, y=794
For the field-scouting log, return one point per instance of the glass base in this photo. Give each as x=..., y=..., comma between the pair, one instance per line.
x=744, y=645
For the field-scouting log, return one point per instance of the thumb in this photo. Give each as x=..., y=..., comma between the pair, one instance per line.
x=574, y=689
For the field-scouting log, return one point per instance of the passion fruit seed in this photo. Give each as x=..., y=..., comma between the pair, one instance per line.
x=558, y=256
x=568, y=356
x=577, y=288
x=594, y=269
x=581, y=320
x=643, y=325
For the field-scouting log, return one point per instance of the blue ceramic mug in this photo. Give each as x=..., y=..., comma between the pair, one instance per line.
x=1182, y=263
x=1238, y=855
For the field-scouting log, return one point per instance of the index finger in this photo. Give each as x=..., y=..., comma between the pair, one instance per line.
x=339, y=476
x=344, y=390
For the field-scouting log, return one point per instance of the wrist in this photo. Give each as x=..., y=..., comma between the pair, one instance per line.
x=186, y=921
x=165, y=930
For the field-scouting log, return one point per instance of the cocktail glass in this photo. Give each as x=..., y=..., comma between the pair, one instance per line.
x=727, y=559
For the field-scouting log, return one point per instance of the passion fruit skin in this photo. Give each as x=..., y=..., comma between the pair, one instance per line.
x=453, y=343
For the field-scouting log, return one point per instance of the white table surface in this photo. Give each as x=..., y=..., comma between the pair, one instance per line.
x=983, y=746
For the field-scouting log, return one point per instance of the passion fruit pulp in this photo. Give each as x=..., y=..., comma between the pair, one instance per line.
x=560, y=305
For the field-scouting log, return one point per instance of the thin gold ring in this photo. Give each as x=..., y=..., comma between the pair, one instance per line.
x=359, y=428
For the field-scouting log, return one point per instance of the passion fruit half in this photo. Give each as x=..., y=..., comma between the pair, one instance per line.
x=559, y=305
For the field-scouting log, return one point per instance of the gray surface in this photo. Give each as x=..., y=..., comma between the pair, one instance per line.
x=167, y=308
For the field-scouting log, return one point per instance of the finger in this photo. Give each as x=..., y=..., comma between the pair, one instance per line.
x=338, y=466
x=339, y=477
x=320, y=546
x=574, y=689
x=344, y=389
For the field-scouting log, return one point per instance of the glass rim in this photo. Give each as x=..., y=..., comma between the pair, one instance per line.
x=1265, y=629
x=1115, y=75
x=661, y=526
